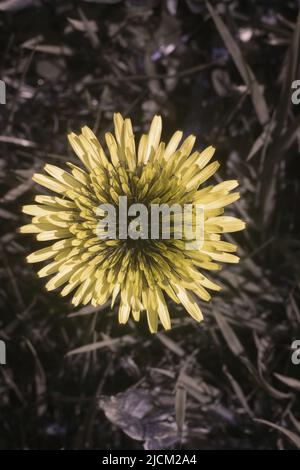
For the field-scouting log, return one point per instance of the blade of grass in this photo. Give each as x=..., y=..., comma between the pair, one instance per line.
x=289, y=381
x=291, y=67
x=180, y=407
x=244, y=69
x=101, y=344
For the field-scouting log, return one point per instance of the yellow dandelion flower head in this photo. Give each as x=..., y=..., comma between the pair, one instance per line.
x=141, y=272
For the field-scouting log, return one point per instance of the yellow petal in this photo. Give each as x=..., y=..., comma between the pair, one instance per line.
x=53, y=235
x=204, y=175
x=51, y=268
x=205, y=156
x=225, y=185
x=118, y=122
x=187, y=145
x=223, y=201
x=37, y=210
x=162, y=309
x=142, y=148
x=29, y=228
x=81, y=291
x=223, y=257
x=60, y=278
x=124, y=311
x=41, y=255
x=226, y=224
x=113, y=149
x=152, y=320
x=173, y=144
x=189, y=302
x=55, y=201
x=153, y=137
x=62, y=176
x=79, y=150
x=49, y=183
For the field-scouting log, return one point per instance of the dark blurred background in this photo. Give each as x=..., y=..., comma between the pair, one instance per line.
x=220, y=70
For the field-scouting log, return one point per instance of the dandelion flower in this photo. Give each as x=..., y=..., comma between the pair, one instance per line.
x=141, y=274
